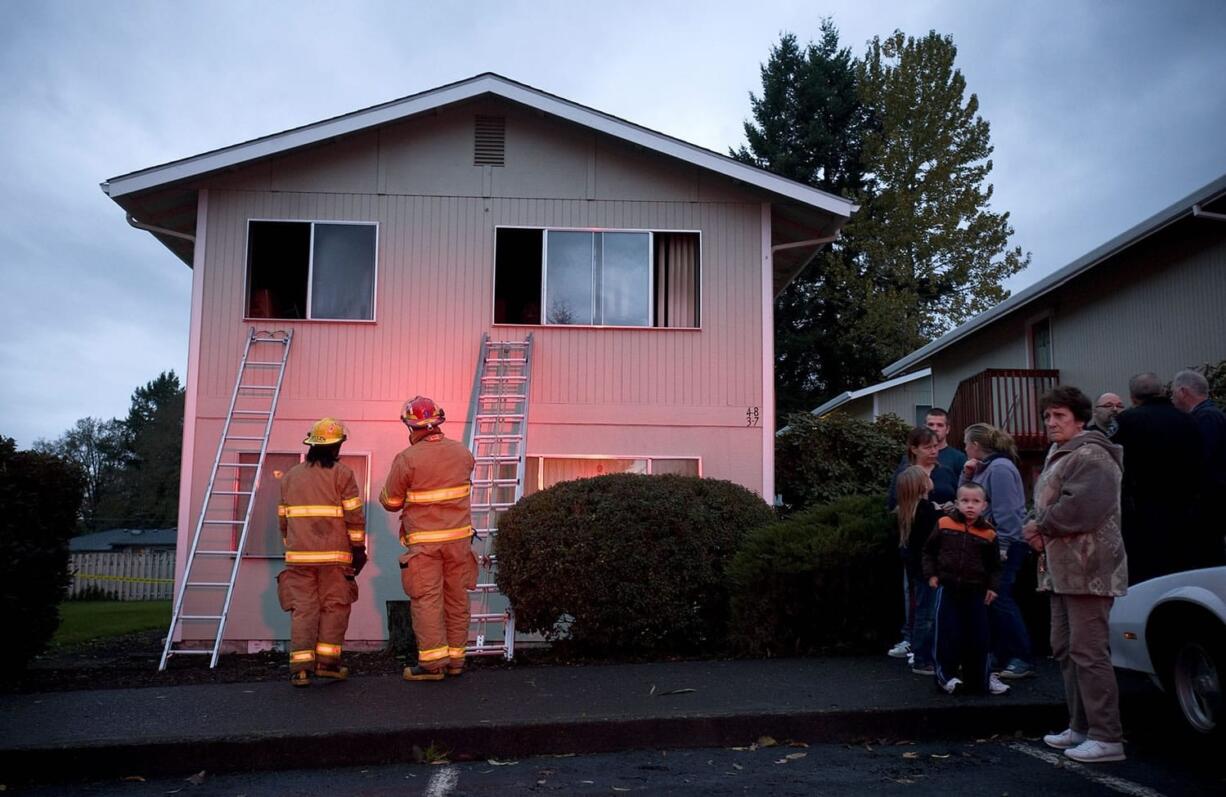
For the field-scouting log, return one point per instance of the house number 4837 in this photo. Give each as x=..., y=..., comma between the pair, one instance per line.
x=752, y=416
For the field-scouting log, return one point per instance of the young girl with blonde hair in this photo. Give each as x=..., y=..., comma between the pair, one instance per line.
x=917, y=516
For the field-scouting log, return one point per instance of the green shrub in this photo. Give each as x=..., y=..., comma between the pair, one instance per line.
x=1216, y=374
x=826, y=579
x=626, y=563
x=40, y=494
x=820, y=459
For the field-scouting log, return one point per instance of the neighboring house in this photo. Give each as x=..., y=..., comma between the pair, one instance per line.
x=908, y=396
x=1150, y=299
x=391, y=239
x=120, y=540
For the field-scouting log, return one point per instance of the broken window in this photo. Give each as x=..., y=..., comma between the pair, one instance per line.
x=623, y=278
x=311, y=270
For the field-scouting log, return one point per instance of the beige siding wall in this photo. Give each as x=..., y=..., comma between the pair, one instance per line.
x=903, y=399
x=1157, y=307
x=620, y=392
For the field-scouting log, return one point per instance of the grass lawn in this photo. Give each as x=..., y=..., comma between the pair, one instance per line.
x=82, y=620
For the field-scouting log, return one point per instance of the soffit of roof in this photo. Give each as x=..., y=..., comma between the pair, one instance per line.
x=1210, y=193
x=487, y=83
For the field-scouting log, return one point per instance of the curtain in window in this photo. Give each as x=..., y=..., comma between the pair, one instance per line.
x=676, y=280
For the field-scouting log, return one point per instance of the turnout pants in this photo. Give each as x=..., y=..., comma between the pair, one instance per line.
x=437, y=577
x=1080, y=643
x=318, y=600
x=962, y=637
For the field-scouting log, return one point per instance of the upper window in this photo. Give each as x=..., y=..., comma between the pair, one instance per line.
x=311, y=270
x=618, y=278
x=1040, y=344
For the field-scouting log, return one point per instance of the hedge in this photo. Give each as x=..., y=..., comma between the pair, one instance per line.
x=626, y=563
x=41, y=495
x=827, y=579
x=820, y=459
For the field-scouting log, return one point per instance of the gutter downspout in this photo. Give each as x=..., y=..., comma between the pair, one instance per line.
x=140, y=225
x=810, y=242
x=1197, y=211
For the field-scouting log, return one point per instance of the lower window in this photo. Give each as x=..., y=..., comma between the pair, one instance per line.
x=542, y=472
x=264, y=531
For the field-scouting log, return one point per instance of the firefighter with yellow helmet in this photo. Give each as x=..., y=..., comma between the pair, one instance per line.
x=324, y=531
x=429, y=484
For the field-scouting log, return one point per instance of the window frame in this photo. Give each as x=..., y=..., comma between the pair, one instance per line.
x=1032, y=323
x=363, y=488
x=651, y=232
x=650, y=458
x=374, y=288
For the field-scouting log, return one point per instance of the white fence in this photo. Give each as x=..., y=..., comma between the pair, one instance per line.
x=124, y=576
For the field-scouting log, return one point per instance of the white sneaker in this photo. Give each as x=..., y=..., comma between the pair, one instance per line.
x=1092, y=751
x=1064, y=739
x=952, y=685
x=900, y=650
x=997, y=686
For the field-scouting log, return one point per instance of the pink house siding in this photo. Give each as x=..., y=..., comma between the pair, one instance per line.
x=629, y=392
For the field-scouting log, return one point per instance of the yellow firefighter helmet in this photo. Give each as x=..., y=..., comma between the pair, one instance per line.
x=326, y=431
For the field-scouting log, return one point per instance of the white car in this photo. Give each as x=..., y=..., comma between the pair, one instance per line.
x=1173, y=628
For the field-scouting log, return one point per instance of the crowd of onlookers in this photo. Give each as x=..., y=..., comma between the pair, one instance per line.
x=1125, y=495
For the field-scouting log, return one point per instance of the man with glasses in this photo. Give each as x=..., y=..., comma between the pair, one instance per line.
x=1106, y=408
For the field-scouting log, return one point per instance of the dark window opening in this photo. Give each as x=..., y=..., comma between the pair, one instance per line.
x=517, y=276
x=1041, y=353
x=278, y=263
x=676, y=276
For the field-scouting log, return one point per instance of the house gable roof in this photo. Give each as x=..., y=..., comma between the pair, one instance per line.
x=1184, y=208
x=486, y=83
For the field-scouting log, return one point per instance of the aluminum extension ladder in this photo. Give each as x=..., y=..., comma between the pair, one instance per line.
x=497, y=429
x=207, y=583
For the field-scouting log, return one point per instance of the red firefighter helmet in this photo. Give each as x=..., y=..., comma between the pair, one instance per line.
x=422, y=413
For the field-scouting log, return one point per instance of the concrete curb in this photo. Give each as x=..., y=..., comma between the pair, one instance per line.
x=57, y=763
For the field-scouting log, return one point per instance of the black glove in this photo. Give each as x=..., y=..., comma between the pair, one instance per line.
x=359, y=559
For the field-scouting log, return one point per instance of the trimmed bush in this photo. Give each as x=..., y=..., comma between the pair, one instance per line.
x=626, y=563
x=820, y=459
x=827, y=579
x=40, y=494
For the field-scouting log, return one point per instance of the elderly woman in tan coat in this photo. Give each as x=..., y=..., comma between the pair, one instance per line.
x=1076, y=526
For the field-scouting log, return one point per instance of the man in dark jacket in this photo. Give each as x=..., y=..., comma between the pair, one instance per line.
x=1190, y=393
x=1161, y=447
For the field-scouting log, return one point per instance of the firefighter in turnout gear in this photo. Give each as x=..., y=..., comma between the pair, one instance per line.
x=324, y=531
x=429, y=484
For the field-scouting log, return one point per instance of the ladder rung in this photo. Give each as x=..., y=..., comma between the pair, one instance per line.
x=251, y=412
x=511, y=360
x=257, y=387
x=500, y=417
x=479, y=507
x=223, y=522
x=232, y=492
x=264, y=364
x=175, y=652
x=505, y=377
x=214, y=584
x=236, y=465
x=515, y=435
x=215, y=553
x=489, y=618
x=489, y=459
x=486, y=482
x=243, y=437
x=200, y=617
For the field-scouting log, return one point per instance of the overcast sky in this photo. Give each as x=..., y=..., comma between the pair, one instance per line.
x=1101, y=112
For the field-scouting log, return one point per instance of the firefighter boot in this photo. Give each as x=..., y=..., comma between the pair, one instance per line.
x=300, y=678
x=416, y=673
x=336, y=672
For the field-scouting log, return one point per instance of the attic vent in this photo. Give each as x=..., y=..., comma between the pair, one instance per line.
x=489, y=140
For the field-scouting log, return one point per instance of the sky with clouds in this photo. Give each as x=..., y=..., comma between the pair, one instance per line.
x=1102, y=113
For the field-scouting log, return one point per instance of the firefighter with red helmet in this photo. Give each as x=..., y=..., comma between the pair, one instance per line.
x=429, y=484
x=324, y=531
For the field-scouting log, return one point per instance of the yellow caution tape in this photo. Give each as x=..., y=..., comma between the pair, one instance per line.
x=133, y=579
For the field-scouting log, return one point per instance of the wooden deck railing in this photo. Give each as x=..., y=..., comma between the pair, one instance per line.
x=1007, y=398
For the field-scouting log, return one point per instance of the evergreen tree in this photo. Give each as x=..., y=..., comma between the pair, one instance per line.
x=924, y=252
x=808, y=125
